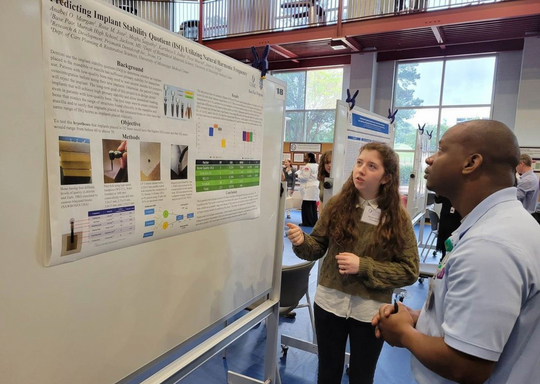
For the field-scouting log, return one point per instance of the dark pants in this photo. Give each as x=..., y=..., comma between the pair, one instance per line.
x=332, y=332
x=309, y=213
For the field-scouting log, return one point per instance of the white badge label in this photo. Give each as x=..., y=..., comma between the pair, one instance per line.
x=371, y=215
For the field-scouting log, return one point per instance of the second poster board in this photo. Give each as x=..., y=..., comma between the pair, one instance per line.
x=352, y=130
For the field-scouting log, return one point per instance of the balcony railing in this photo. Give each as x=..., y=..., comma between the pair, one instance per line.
x=226, y=18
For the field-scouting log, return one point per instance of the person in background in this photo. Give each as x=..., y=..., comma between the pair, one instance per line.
x=527, y=186
x=289, y=176
x=479, y=323
x=371, y=250
x=325, y=166
x=449, y=221
x=309, y=188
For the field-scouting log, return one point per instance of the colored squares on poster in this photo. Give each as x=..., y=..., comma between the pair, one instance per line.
x=223, y=143
x=210, y=131
x=165, y=214
x=165, y=225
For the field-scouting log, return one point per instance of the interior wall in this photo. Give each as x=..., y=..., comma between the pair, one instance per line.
x=383, y=87
x=362, y=77
x=324, y=147
x=507, y=87
x=528, y=108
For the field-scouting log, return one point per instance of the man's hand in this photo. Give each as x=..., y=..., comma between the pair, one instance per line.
x=295, y=234
x=393, y=326
x=348, y=263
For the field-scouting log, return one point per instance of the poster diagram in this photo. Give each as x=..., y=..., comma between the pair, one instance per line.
x=131, y=129
x=150, y=161
x=178, y=103
x=75, y=160
x=162, y=220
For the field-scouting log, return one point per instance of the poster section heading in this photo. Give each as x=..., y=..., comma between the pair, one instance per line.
x=370, y=124
x=149, y=135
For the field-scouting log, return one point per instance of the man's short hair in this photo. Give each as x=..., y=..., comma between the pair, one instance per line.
x=525, y=159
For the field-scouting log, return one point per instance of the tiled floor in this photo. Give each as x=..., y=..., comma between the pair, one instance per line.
x=246, y=355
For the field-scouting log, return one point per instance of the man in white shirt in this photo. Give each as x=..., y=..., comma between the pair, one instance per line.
x=527, y=186
x=480, y=320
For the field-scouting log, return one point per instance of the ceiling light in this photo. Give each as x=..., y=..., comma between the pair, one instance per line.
x=338, y=44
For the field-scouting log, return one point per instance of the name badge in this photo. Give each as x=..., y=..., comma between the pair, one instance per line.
x=371, y=215
x=452, y=210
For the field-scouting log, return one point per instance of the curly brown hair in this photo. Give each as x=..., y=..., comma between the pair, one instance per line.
x=325, y=158
x=390, y=233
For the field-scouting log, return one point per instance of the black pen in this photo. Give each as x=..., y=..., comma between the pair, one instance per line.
x=396, y=307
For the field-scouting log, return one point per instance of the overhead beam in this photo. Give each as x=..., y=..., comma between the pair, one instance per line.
x=352, y=44
x=439, y=36
x=272, y=38
x=311, y=62
x=460, y=15
x=284, y=52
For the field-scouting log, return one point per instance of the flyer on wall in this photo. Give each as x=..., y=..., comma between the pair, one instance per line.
x=148, y=134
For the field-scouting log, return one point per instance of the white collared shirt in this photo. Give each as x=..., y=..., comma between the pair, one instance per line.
x=345, y=305
x=486, y=301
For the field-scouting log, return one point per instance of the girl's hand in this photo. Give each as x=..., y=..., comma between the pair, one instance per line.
x=348, y=263
x=295, y=234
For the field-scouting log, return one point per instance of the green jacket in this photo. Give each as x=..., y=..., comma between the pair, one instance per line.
x=379, y=273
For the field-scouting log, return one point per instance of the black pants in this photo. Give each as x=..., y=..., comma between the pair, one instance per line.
x=309, y=213
x=332, y=332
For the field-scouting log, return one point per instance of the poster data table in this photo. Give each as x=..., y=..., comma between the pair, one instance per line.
x=213, y=175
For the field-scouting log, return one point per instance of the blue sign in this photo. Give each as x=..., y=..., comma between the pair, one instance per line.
x=369, y=124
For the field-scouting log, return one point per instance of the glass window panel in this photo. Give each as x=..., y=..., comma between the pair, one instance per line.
x=296, y=85
x=405, y=169
x=453, y=116
x=418, y=84
x=294, y=130
x=407, y=121
x=469, y=81
x=323, y=88
x=320, y=126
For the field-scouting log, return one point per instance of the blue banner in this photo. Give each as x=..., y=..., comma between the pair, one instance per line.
x=370, y=124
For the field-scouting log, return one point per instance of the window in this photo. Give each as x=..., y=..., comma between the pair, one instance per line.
x=311, y=103
x=439, y=94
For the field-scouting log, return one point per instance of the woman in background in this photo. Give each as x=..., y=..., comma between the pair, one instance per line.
x=371, y=250
x=309, y=188
x=289, y=176
x=325, y=166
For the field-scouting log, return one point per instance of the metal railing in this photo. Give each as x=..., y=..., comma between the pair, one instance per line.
x=225, y=18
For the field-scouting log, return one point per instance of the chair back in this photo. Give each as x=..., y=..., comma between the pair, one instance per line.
x=433, y=219
x=294, y=283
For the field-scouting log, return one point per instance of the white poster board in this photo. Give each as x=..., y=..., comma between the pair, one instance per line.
x=417, y=195
x=149, y=135
x=101, y=318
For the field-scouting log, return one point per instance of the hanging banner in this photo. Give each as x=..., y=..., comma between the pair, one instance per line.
x=149, y=135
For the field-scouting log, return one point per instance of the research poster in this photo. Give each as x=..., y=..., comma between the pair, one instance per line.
x=363, y=128
x=149, y=135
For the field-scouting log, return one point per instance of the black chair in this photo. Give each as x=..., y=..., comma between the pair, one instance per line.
x=434, y=220
x=294, y=286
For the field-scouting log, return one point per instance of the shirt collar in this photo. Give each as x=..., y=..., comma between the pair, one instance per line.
x=363, y=202
x=501, y=196
x=529, y=172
